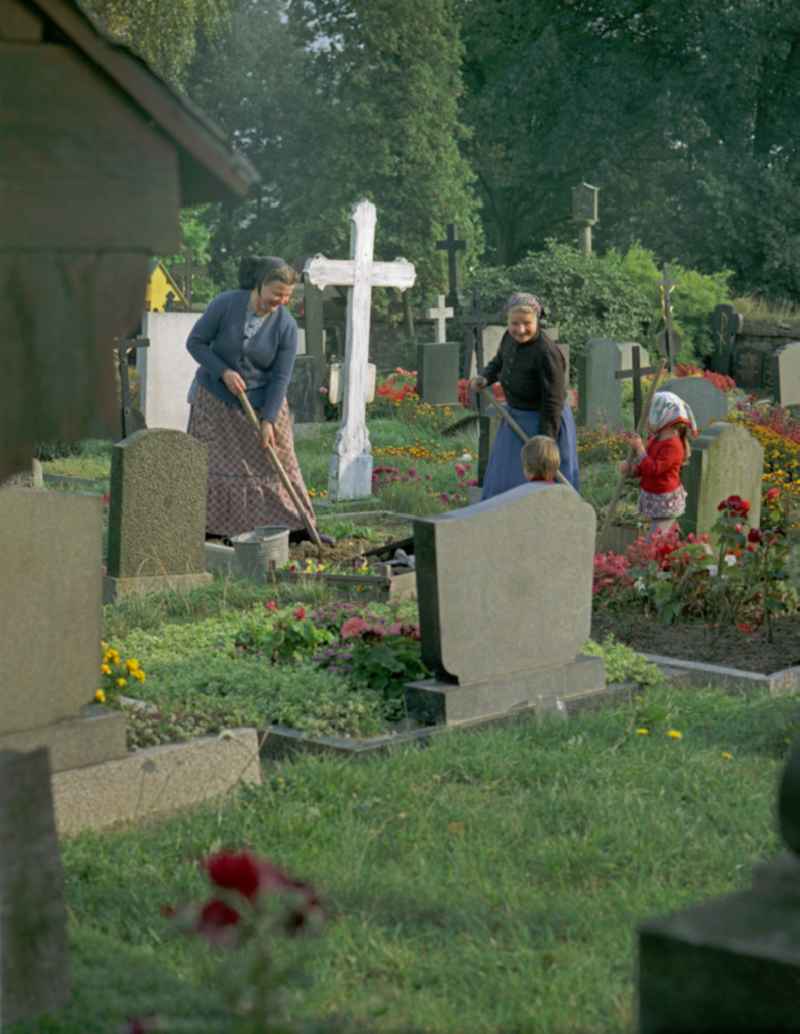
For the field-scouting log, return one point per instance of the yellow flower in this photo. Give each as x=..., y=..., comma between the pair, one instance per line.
x=132, y=664
x=727, y=756
x=642, y=732
x=122, y=683
x=674, y=734
x=105, y=669
x=138, y=675
x=103, y=644
x=100, y=696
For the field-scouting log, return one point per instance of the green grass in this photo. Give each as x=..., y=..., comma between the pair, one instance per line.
x=490, y=883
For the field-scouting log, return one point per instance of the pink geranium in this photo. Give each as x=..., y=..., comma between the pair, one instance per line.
x=353, y=627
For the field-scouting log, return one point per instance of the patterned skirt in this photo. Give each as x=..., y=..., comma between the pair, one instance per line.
x=244, y=489
x=658, y=506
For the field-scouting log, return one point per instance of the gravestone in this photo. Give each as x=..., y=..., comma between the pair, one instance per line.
x=437, y=373
x=166, y=370
x=303, y=394
x=706, y=401
x=496, y=558
x=157, y=519
x=732, y=964
x=350, y=474
x=726, y=460
x=50, y=616
x=599, y=392
x=786, y=374
x=626, y=354
x=34, y=953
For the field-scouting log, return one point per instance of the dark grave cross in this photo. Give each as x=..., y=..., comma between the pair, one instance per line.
x=668, y=339
x=474, y=324
x=131, y=418
x=635, y=374
x=452, y=246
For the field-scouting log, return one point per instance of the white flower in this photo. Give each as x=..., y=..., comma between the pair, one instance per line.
x=713, y=570
x=730, y=559
x=707, y=547
x=465, y=457
x=639, y=585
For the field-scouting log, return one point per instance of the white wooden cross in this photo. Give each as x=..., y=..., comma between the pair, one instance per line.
x=350, y=473
x=440, y=315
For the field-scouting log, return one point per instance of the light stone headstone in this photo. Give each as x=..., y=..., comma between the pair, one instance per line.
x=626, y=354
x=492, y=336
x=496, y=558
x=34, y=951
x=726, y=460
x=786, y=374
x=350, y=474
x=165, y=369
x=440, y=314
x=51, y=595
x=706, y=401
x=730, y=965
x=599, y=393
x=157, y=519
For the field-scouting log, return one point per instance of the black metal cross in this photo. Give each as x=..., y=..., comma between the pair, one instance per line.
x=452, y=246
x=635, y=374
x=131, y=418
x=474, y=323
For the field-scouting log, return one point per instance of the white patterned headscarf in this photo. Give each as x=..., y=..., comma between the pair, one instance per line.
x=523, y=300
x=667, y=409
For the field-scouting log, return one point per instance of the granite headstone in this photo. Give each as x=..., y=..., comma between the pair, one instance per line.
x=496, y=558
x=786, y=374
x=157, y=519
x=437, y=372
x=726, y=460
x=706, y=401
x=599, y=393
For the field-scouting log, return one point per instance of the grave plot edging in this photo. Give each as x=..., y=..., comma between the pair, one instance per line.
x=697, y=673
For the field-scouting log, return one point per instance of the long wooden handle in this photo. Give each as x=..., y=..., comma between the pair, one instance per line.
x=612, y=506
x=487, y=396
x=287, y=484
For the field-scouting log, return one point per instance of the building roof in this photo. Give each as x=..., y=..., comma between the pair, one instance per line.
x=209, y=169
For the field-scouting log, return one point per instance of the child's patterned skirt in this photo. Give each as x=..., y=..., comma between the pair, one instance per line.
x=658, y=505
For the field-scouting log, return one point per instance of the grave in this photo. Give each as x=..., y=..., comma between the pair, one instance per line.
x=726, y=460
x=166, y=370
x=157, y=519
x=496, y=558
x=732, y=964
x=708, y=404
x=786, y=374
x=452, y=245
x=34, y=953
x=599, y=392
x=438, y=362
x=350, y=475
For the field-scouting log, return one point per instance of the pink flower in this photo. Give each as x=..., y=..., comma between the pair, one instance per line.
x=772, y=494
x=395, y=628
x=323, y=390
x=461, y=470
x=473, y=483
x=300, y=613
x=444, y=497
x=353, y=627
x=271, y=605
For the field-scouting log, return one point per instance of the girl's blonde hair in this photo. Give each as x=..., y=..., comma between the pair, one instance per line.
x=685, y=433
x=540, y=458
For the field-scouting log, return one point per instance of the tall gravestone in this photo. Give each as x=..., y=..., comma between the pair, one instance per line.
x=50, y=616
x=34, y=953
x=731, y=965
x=786, y=374
x=497, y=558
x=708, y=404
x=726, y=460
x=157, y=519
x=166, y=370
x=599, y=392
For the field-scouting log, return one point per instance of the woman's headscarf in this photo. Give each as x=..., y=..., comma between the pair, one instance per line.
x=667, y=409
x=522, y=300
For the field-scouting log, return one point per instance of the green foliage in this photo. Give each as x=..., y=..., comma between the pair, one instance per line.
x=624, y=664
x=289, y=636
x=612, y=295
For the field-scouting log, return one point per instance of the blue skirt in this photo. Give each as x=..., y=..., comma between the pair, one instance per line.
x=504, y=470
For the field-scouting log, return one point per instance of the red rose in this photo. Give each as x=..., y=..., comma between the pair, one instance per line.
x=300, y=613
x=773, y=494
x=234, y=871
x=754, y=535
x=216, y=915
x=271, y=605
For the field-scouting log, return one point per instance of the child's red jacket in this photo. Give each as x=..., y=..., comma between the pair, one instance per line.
x=660, y=470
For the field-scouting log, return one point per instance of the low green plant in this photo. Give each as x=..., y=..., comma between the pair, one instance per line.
x=624, y=664
x=285, y=637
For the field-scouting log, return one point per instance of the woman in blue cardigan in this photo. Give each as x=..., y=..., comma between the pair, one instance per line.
x=246, y=340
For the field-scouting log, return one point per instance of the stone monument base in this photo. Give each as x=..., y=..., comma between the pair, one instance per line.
x=96, y=736
x=116, y=588
x=544, y=689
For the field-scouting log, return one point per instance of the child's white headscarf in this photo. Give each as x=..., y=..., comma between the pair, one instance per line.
x=667, y=409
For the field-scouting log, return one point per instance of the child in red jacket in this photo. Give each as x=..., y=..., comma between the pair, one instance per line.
x=662, y=497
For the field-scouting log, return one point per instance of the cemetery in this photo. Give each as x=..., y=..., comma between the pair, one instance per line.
x=404, y=753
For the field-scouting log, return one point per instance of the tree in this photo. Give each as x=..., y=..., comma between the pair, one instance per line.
x=163, y=33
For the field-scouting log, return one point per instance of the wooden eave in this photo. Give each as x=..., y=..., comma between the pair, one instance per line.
x=209, y=170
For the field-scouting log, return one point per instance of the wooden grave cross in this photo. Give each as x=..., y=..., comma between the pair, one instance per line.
x=440, y=314
x=668, y=339
x=131, y=418
x=635, y=374
x=452, y=246
x=350, y=475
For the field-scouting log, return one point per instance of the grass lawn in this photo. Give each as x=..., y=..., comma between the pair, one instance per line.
x=489, y=883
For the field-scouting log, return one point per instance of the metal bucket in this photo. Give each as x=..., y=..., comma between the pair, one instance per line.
x=258, y=551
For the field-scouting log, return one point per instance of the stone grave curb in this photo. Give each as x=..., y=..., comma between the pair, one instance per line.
x=155, y=782
x=279, y=741
x=696, y=673
x=75, y=482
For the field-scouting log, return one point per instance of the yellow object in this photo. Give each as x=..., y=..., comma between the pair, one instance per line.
x=159, y=284
x=675, y=735
x=100, y=696
x=642, y=732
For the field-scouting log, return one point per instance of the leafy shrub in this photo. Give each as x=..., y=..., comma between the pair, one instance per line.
x=289, y=636
x=624, y=664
